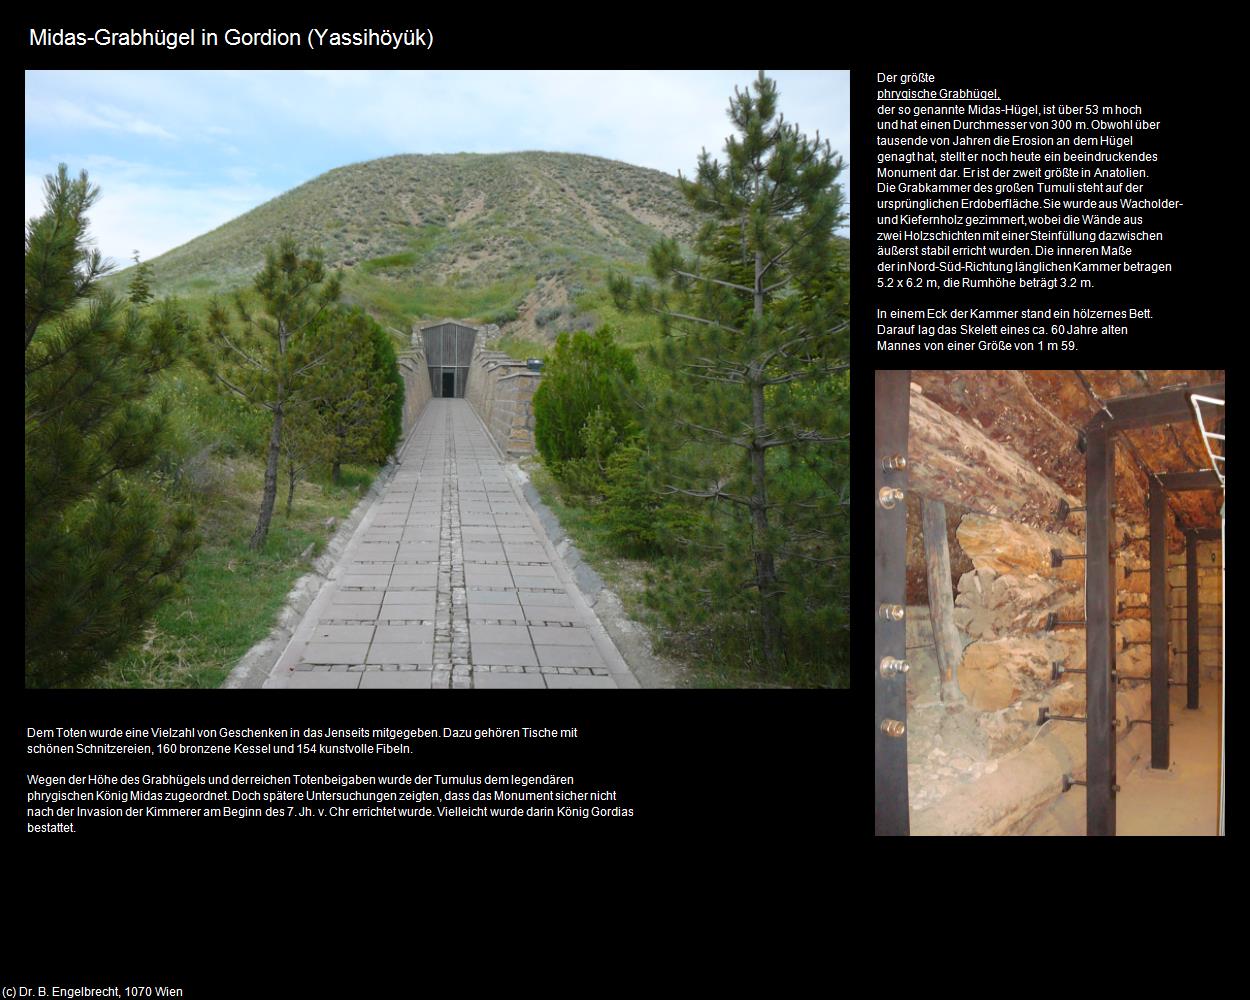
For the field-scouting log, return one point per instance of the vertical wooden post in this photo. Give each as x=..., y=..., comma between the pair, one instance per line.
x=937, y=560
x=1160, y=747
x=1191, y=619
x=1099, y=595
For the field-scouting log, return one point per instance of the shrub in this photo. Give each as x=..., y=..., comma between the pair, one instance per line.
x=583, y=373
x=631, y=508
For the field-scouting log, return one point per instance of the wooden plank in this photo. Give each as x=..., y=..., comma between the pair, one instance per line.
x=1099, y=597
x=937, y=560
x=1160, y=742
x=1191, y=619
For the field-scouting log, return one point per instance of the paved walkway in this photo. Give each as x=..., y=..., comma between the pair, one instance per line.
x=449, y=582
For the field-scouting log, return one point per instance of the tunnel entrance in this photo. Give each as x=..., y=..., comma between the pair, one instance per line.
x=448, y=351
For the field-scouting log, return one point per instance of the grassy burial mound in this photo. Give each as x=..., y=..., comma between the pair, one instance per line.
x=518, y=239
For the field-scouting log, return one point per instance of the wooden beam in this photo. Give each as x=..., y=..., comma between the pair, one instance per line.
x=1154, y=408
x=1178, y=482
x=1099, y=645
x=952, y=461
x=937, y=560
x=1192, y=641
x=1160, y=743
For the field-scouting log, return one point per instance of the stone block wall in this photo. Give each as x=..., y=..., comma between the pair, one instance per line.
x=1210, y=630
x=416, y=386
x=501, y=390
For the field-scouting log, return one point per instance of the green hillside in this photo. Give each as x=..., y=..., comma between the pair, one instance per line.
x=522, y=239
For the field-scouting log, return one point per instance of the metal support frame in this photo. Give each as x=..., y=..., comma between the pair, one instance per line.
x=1160, y=747
x=893, y=405
x=1099, y=645
x=1191, y=618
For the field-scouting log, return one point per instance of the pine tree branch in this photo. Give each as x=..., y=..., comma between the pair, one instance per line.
x=699, y=319
x=716, y=281
x=806, y=374
x=225, y=339
x=715, y=494
x=242, y=394
x=801, y=437
x=317, y=362
x=712, y=432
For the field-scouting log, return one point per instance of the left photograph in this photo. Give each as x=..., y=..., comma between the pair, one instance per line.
x=525, y=380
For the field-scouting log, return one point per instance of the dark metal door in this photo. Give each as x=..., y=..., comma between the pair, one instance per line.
x=449, y=384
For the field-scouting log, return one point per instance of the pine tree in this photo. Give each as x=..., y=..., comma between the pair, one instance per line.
x=754, y=422
x=140, y=282
x=104, y=546
x=269, y=358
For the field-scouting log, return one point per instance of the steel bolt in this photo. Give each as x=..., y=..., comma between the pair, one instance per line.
x=892, y=612
x=891, y=665
x=893, y=463
x=889, y=496
x=892, y=727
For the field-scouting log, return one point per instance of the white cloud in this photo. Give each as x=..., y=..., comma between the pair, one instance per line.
x=64, y=113
x=149, y=210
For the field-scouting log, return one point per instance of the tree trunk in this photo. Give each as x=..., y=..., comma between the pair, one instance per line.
x=765, y=567
x=290, y=492
x=337, y=474
x=271, y=483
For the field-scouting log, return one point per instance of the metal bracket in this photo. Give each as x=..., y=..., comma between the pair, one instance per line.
x=1064, y=510
x=1058, y=558
x=1069, y=781
x=1053, y=620
x=1044, y=716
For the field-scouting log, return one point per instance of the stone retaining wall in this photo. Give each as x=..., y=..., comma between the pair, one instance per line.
x=416, y=386
x=501, y=390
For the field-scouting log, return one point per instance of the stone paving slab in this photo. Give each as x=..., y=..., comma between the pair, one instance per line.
x=568, y=656
x=450, y=583
x=491, y=679
x=579, y=681
x=419, y=679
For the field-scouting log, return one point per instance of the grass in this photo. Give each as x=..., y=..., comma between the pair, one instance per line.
x=231, y=595
x=521, y=348
x=401, y=301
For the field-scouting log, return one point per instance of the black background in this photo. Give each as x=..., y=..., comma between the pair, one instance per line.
x=736, y=792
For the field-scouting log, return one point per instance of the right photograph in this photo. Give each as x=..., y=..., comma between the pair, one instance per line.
x=1049, y=602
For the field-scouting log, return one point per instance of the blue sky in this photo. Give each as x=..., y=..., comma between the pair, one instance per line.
x=179, y=153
